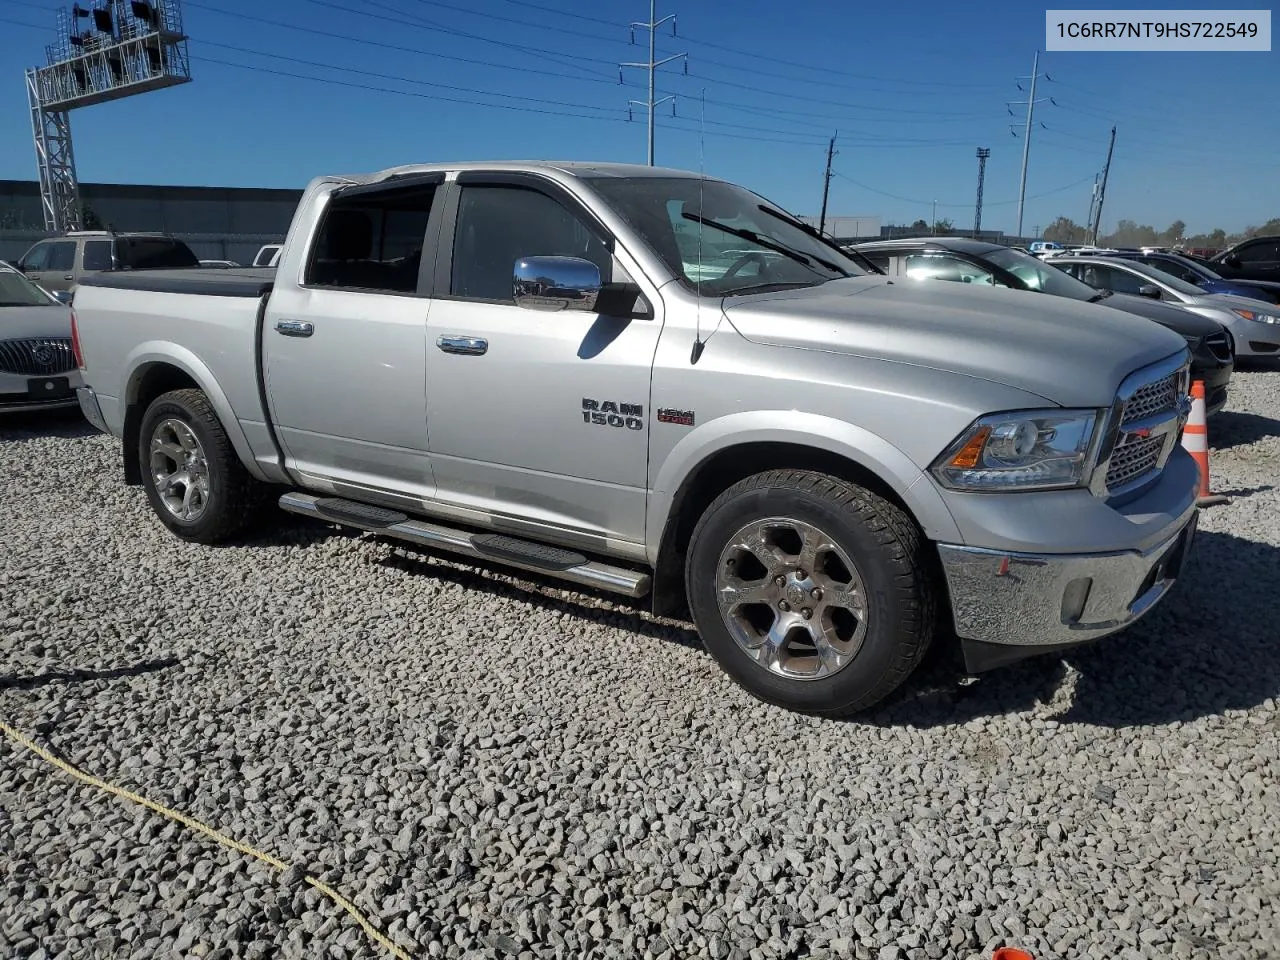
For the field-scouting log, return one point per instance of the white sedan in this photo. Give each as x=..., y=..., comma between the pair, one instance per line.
x=37, y=366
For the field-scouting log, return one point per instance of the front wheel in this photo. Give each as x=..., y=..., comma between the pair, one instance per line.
x=193, y=478
x=811, y=592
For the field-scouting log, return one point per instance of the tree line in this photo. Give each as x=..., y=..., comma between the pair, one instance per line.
x=1130, y=233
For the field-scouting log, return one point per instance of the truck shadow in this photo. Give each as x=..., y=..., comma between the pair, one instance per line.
x=1231, y=429
x=79, y=675
x=546, y=593
x=1209, y=647
x=67, y=424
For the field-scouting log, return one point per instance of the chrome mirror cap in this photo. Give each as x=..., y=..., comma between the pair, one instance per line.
x=556, y=283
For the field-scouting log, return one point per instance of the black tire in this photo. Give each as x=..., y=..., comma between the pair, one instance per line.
x=883, y=544
x=233, y=495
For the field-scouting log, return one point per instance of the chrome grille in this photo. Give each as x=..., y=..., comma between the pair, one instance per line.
x=37, y=357
x=1133, y=459
x=1151, y=399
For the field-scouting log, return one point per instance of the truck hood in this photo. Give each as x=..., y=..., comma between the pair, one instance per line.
x=20, y=323
x=1070, y=353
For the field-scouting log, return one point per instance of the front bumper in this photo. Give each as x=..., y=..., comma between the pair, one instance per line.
x=1051, y=600
x=1254, y=339
x=23, y=393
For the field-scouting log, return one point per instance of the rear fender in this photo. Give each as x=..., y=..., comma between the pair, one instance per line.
x=174, y=355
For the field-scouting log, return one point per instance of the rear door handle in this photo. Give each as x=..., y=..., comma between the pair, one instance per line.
x=473, y=346
x=295, y=328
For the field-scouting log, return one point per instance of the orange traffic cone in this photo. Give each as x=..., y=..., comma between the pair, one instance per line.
x=1195, y=440
x=1011, y=953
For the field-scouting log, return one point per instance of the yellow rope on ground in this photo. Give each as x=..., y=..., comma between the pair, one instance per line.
x=376, y=935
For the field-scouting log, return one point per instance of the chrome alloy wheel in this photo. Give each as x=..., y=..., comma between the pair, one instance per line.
x=791, y=598
x=179, y=470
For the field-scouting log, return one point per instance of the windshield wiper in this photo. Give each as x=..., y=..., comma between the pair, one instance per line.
x=754, y=237
x=772, y=285
x=803, y=228
x=1100, y=295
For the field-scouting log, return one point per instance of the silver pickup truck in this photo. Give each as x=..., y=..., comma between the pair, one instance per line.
x=648, y=382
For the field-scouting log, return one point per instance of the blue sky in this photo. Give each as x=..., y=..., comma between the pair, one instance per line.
x=912, y=89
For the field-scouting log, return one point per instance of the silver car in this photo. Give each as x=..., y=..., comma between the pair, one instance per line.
x=1254, y=325
x=37, y=365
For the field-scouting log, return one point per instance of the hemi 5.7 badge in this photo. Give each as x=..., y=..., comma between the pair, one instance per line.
x=683, y=418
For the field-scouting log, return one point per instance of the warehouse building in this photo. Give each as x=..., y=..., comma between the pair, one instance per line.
x=218, y=223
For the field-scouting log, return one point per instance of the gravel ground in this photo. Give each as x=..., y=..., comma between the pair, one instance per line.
x=496, y=768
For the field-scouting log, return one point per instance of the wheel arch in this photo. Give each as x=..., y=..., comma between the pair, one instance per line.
x=690, y=480
x=155, y=369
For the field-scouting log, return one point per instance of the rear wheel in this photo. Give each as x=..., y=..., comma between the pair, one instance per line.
x=811, y=592
x=193, y=477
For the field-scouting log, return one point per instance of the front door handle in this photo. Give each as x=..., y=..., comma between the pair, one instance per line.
x=473, y=346
x=295, y=328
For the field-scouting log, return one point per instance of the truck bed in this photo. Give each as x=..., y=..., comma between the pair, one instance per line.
x=236, y=282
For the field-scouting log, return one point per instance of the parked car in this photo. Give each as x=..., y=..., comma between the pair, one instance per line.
x=219, y=264
x=1257, y=258
x=511, y=362
x=1254, y=326
x=267, y=255
x=1199, y=274
x=976, y=261
x=60, y=263
x=37, y=365
x=1044, y=246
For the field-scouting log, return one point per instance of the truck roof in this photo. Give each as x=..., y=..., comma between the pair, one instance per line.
x=573, y=168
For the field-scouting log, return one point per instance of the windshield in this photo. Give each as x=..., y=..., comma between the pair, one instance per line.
x=1038, y=275
x=17, y=291
x=721, y=239
x=1168, y=279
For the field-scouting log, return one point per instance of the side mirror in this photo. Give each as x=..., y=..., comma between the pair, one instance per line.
x=556, y=283
x=1149, y=290
x=63, y=296
x=1231, y=260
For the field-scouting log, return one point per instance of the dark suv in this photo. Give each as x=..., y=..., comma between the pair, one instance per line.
x=974, y=261
x=1255, y=259
x=57, y=264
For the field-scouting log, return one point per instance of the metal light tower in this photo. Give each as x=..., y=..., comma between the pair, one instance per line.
x=983, y=153
x=125, y=47
x=653, y=64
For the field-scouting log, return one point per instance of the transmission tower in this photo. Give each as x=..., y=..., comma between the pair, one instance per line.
x=983, y=153
x=652, y=66
x=125, y=47
x=1096, y=225
x=1030, y=103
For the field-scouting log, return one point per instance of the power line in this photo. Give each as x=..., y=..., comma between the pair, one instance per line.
x=986, y=203
x=398, y=47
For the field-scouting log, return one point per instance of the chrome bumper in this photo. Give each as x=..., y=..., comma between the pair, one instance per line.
x=1031, y=600
x=89, y=407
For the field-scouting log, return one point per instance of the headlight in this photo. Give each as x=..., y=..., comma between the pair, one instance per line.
x=1256, y=316
x=1021, y=450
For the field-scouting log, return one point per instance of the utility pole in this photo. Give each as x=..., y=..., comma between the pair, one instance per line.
x=1026, y=136
x=933, y=223
x=826, y=182
x=1102, y=192
x=983, y=153
x=652, y=66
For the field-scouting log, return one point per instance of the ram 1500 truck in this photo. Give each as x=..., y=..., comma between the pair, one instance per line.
x=659, y=384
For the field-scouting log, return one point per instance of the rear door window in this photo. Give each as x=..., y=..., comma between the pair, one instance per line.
x=372, y=240
x=936, y=266
x=97, y=255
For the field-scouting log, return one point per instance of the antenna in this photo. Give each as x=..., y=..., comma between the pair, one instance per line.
x=698, y=343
